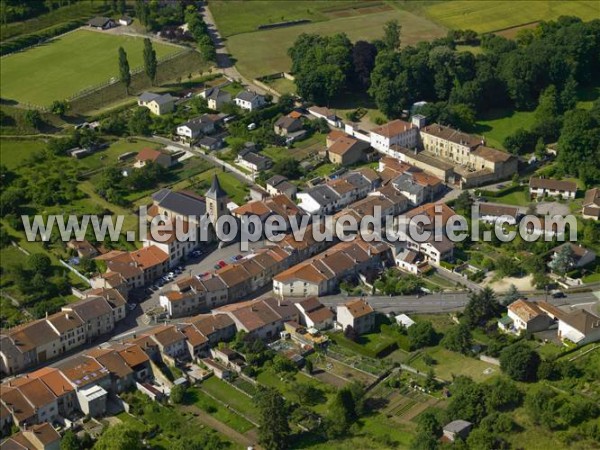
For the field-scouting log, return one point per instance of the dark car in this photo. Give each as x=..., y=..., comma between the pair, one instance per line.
x=558, y=294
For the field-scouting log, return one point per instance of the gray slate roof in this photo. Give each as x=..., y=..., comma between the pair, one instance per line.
x=180, y=203
x=323, y=195
x=216, y=191
x=248, y=96
x=405, y=183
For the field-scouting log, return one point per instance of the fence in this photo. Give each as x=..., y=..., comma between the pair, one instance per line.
x=75, y=271
x=97, y=87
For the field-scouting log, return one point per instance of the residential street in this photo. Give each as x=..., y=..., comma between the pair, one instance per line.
x=446, y=302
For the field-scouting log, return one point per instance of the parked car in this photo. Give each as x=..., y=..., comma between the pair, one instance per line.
x=222, y=263
x=217, y=267
x=558, y=294
x=131, y=306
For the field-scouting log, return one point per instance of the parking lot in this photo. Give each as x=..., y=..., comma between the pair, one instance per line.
x=196, y=266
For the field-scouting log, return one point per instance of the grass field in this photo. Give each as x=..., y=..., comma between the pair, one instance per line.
x=13, y=152
x=496, y=125
x=70, y=63
x=517, y=198
x=265, y=52
x=451, y=363
x=485, y=16
x=235, y=17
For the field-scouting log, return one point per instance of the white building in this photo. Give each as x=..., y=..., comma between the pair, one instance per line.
x=250, y=100
x=357, y=314
x=396, y=132
x=542, y=187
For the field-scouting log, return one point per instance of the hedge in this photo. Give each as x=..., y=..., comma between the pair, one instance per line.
x=29, y=40
x=500, y=193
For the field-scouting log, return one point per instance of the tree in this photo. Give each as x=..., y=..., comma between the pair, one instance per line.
x=39, y=263
x=288, y=167
x=422, y=334
x=502, y=395
x=308, y=366
x=274, y=427
x=342, y=412
x=391, y=35
x=579, y=144
x=482, y=306
x=429, y=423
x=177, y=394
x=363, y=62
x=59, y=108
x=124, y=73
x=512, y=295
x=563, y=260
x=69, y=441
x=520, y=362
x=351, y=334
x=122, y=7
x=150, y=63
x=467, y=401
x=458, y=339
x=140, y=121
x=119, y=437
x=463, y=202
x=33, y=118
x=521, y=141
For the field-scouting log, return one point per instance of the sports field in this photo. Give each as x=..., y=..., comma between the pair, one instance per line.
x=265, y=52
x=484, y=16
x=68, y=64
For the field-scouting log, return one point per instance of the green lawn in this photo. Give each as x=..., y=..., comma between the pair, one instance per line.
x=230, y=396
x=368, y=344
x=222, y=414
x=449, y=364
x=517, y=198
x=13, y=152
x=265, y=52
x=495, y=125
x=236, y=190
x=485, y=16
x=68, y=64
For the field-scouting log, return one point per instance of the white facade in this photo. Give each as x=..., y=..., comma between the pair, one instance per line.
x=407, y=139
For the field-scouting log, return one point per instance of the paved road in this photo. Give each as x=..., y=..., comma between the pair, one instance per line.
x=446, y=302
x=224, y=62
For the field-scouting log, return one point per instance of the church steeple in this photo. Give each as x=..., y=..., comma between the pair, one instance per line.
x=216, y=191
x=216, y=200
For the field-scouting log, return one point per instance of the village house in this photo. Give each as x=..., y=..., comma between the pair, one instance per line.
x=219, y=370
x=120, y=374
x=157, y=104
x=580, y=256
x=322, y=274
x=524, y=316
x=215, y=328
x=101, y=23
x=147, y=155
x=30, y=401
x=396, y=132
x=228, y=357
x=216, y=98
x=287, y=125
x=170, y=341
x=279, y=205
x=490, y=213
x=326, y=114
x=254, y=162
x=356, y=314
x=545, y=187
x=249, y=100
x=279, y=184
x=193, y=128
x=36, y=437
x=591, y=204
x=262, y=318
x=314, y=314
x=83, y=248
x=345, y=150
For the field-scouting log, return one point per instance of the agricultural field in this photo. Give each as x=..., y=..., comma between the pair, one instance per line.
x=483, y=16
x=71, y=63
x=265, y=52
